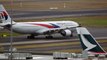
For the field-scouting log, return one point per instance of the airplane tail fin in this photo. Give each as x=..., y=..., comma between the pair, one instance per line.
x=88, y=42
x=4, y=16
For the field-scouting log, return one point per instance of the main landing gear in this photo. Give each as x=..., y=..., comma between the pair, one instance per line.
x=32, y=36
x=49, y=37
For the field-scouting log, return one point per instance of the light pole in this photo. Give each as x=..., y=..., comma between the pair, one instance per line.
x=11, y=34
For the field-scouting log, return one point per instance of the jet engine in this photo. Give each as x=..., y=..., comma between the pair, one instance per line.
x=66, y=32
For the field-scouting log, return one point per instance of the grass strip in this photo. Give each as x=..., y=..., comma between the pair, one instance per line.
x=46, y=45
x=67, y=50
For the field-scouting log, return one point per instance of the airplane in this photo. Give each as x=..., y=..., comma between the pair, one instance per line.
x=65, y=28
x=89, y=43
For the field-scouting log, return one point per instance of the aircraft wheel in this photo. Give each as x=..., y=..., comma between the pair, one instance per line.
x=49, y=37
x=71, y=35
x=30, y=37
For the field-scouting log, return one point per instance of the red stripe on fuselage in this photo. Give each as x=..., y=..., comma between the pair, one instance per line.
x=44, y=25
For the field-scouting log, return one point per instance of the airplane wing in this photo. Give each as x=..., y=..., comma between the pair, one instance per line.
x=63, y=31
x=65, y=28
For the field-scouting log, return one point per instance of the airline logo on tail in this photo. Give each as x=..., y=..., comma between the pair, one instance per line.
x=88, y=42
x=3, y=15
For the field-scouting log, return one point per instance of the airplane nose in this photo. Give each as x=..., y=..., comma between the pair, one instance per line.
x=76, y=24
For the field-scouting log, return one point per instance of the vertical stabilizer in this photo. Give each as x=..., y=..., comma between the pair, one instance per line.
x=88, y=42
x=4, y=16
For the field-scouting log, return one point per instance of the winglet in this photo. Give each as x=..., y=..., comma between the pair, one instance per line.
x=88, y=42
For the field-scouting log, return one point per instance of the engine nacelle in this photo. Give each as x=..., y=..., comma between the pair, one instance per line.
x=66, y=32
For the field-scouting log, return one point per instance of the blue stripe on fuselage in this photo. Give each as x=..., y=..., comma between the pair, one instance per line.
x=54, y=25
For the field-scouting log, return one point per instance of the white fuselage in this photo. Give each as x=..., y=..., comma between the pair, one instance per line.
x=40, y=27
